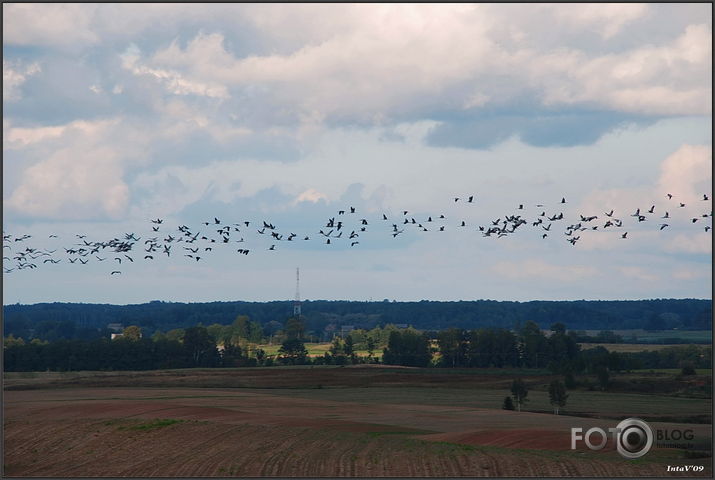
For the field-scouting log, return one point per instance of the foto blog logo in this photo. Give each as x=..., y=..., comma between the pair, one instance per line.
x=633, y=437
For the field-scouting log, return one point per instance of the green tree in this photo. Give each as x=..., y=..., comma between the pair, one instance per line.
x=200, y=347
x=294, y=328
x=534, y=346
x=158, y=336
x=293, y=351
x=337, y=347
x=557, y=395
x=370, y=346
x=349, y=347
x=176, y=335
x=452, y=347
x=255, y=334
x=216, y=332
x=558, y=328
x=408, y=348
x=603, y=377
x=519, y=391
x=241, y=326
x=688, y=369
x=10, y=341
x=508, y=404
x=132, y=332
x=562, y=349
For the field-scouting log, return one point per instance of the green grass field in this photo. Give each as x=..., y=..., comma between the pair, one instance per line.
x=626, y=347
x=316, y=349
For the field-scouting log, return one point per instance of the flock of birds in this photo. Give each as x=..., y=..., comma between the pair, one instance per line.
x=194, y=244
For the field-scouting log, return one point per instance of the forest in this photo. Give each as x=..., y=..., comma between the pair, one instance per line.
x=55, y=321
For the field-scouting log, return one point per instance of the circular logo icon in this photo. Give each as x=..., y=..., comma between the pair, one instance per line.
x=634, y=438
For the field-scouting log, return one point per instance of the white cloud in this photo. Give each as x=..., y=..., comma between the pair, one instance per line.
x=49, y=24
x=310, y=195
x=13, y=76
x=687, y=173
x=20, y=137
x=671, y=79
x=371, y=63
x=371, y=72
x=16, y=137
x=74, y=185
x=79, y=172
x=173, y=81
x=607, y=19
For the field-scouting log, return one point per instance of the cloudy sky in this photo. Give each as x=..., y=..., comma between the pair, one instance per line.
x=114, y=115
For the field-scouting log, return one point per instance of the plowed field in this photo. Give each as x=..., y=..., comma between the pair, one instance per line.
x=175, y=432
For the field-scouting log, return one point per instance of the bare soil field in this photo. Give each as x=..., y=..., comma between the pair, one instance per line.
x=176, y=431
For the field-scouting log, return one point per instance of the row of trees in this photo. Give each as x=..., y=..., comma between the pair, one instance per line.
x=233, y=345
x=196, y=348
x=499, y=347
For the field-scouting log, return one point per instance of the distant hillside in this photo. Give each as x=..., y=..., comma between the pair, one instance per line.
x=70, y=320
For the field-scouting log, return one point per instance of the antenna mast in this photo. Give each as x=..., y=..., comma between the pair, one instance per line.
x=296, y=305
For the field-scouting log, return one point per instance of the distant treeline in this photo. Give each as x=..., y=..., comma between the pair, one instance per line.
x=54, y=321
x=217, y=346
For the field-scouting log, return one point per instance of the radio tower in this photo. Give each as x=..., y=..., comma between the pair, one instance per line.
x=296, y=305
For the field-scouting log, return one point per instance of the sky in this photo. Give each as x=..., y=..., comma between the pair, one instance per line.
x=118, y=114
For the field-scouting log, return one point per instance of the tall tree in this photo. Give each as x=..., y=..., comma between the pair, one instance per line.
x=557, y=395
x=519, y=391
x=200, y=347
x=370, y=346
x=349, y=347
x=452, y=347
x=534, y=347
x=241, y=326
x=294, y=328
